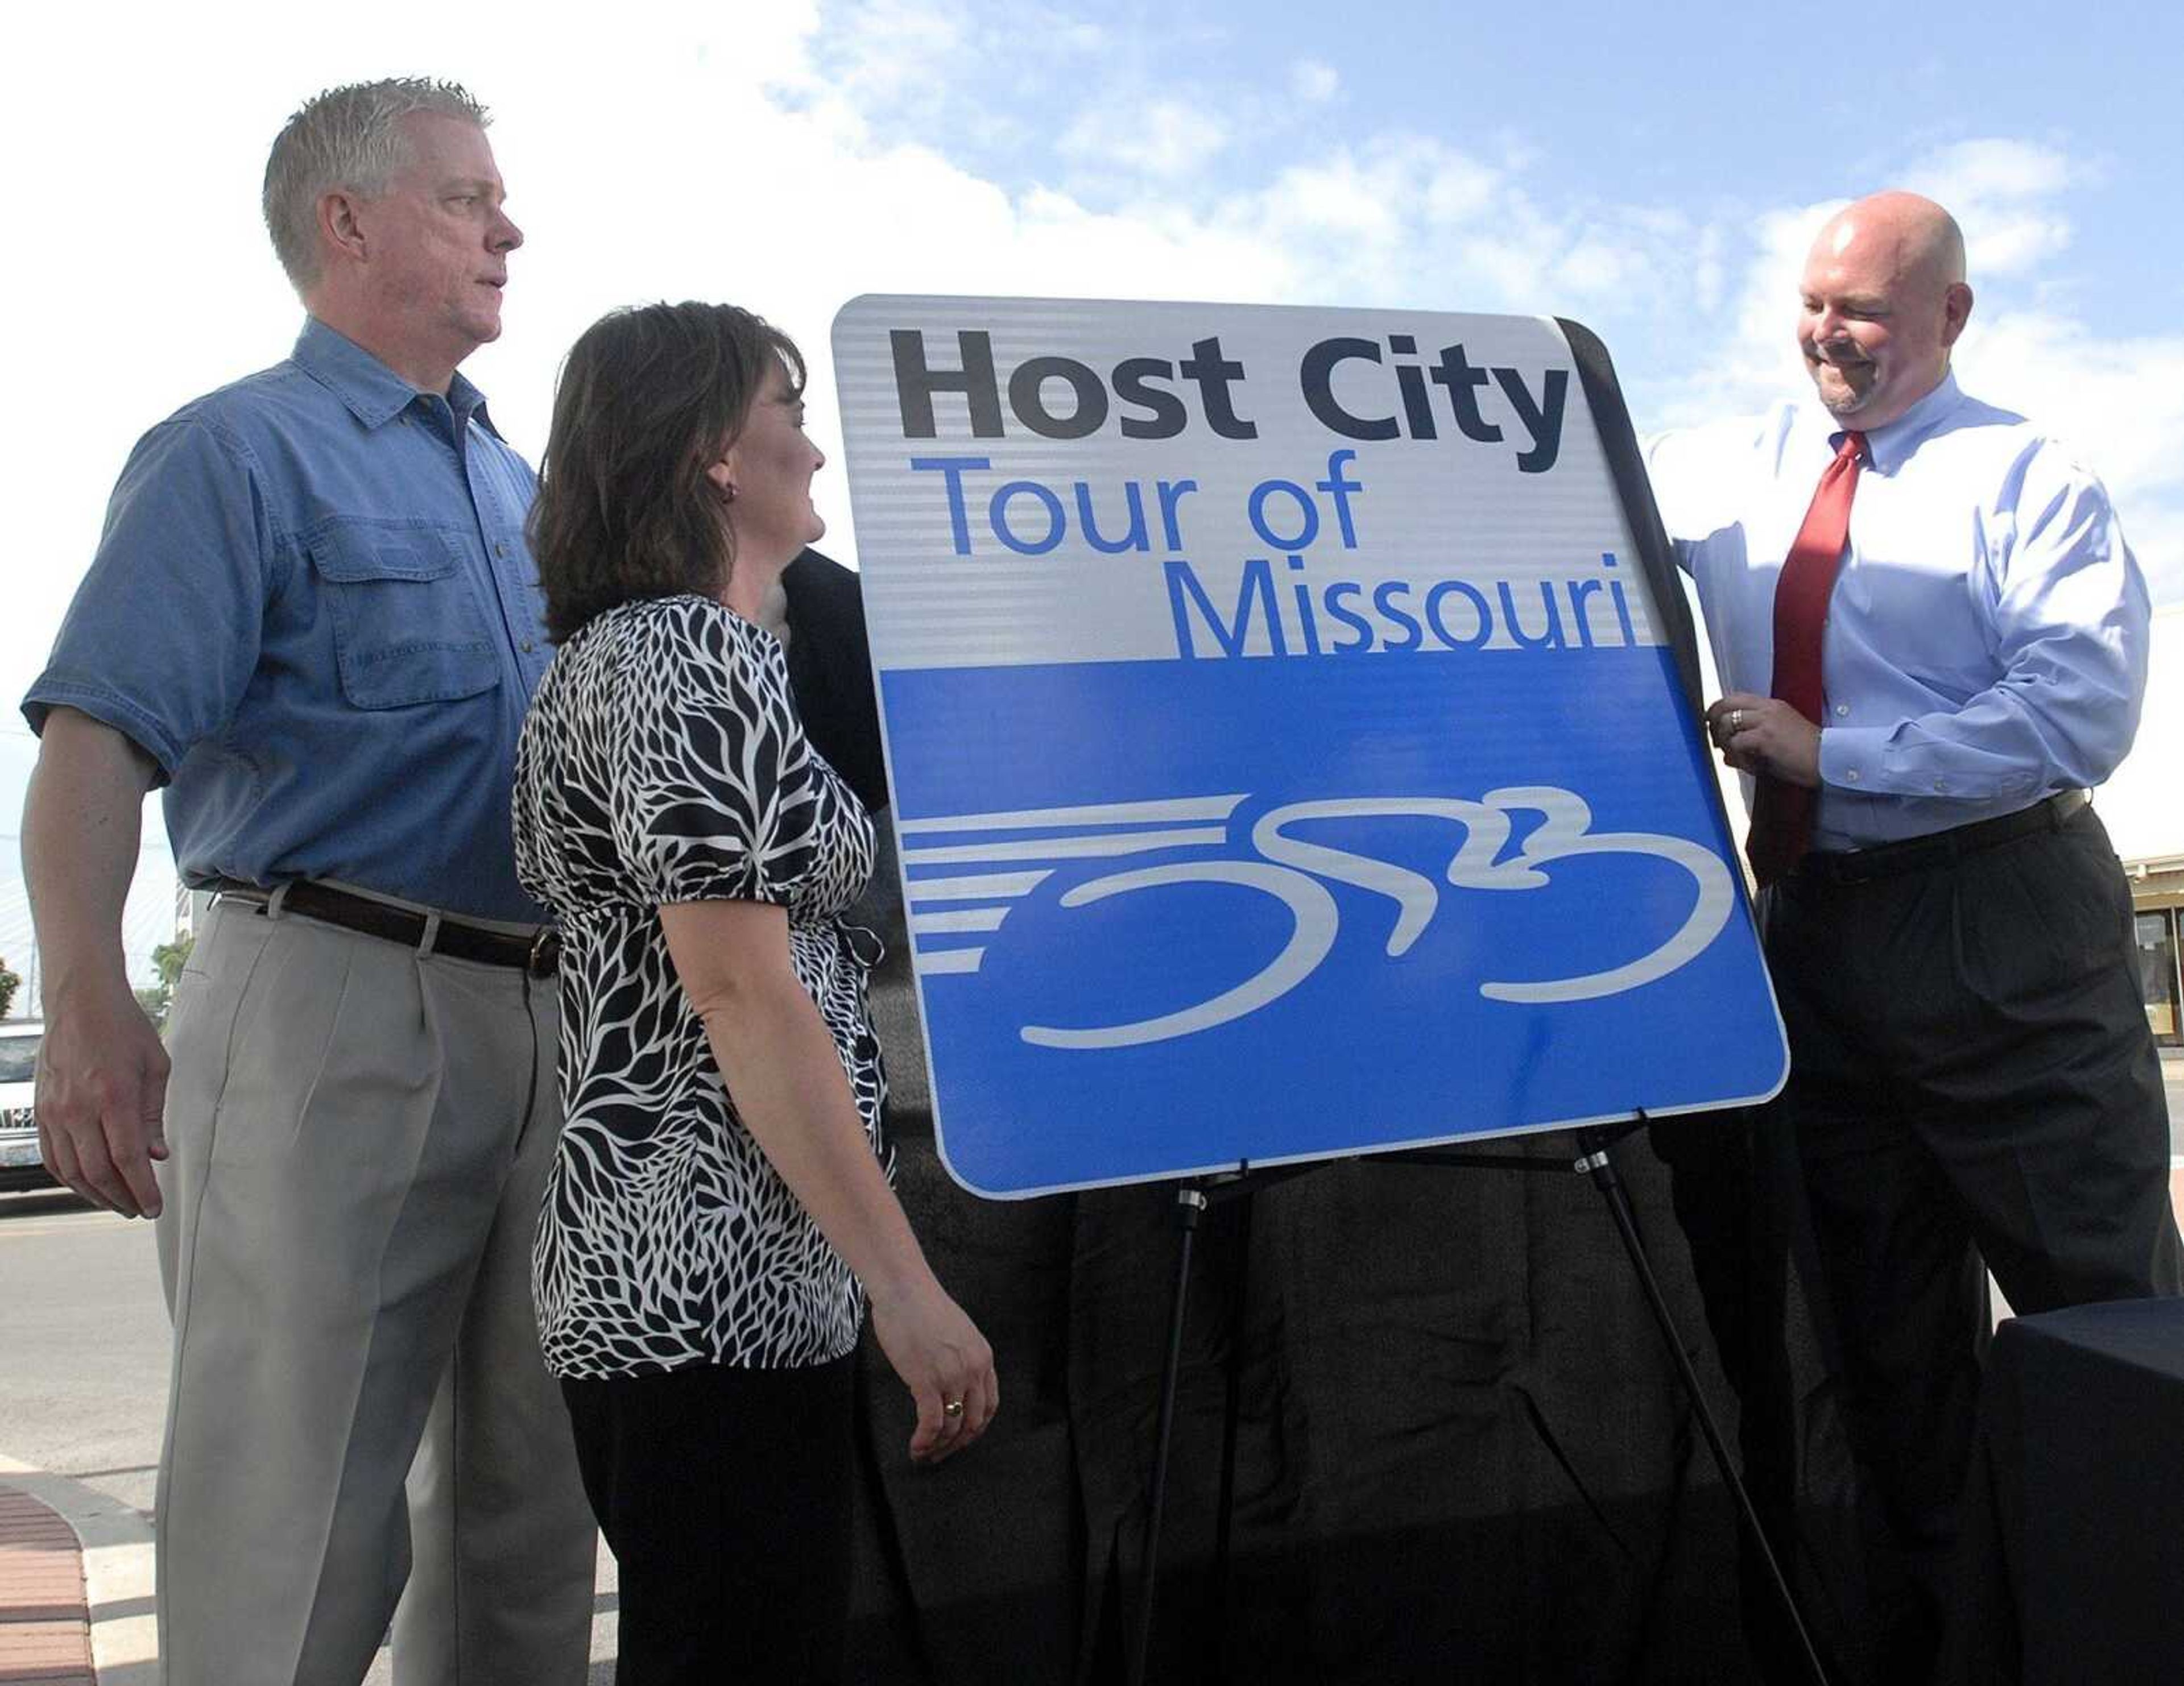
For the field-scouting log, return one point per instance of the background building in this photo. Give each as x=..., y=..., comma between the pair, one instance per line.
x=2143, y=807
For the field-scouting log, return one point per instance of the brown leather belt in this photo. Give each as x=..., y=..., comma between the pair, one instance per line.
x=1887, y=860
x=538, y=953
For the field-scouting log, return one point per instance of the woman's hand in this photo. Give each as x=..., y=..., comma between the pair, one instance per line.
x=942, y=1358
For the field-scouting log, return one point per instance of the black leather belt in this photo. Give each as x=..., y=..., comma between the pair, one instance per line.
x=1887, y=860
x=537, y=953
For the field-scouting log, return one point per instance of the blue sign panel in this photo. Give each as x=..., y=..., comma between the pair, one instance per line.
x=1287, y=760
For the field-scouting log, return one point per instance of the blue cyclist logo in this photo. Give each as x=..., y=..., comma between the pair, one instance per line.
x=1010, y=854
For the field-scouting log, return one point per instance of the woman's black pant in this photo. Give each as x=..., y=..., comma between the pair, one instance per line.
x=724, y=1495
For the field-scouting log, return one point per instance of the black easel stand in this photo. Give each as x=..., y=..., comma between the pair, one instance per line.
x=1595, y=1160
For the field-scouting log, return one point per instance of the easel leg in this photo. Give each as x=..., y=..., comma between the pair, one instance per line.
x=1597, y=1164
x=1231, y=1408
x=1189, y=1206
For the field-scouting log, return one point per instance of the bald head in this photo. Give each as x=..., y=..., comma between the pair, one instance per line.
x=1883, y=299
x=1912, y=234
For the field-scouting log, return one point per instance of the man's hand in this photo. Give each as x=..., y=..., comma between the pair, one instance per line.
x=1764, y=735
x=101, y=1073
x=102, y=1088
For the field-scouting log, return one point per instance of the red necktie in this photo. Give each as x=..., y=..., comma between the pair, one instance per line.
x=1782, y=812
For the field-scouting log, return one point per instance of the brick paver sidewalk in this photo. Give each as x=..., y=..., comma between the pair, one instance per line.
x=45, y=1620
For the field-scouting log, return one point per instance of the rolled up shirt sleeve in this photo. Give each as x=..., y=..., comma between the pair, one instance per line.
x=163, y=633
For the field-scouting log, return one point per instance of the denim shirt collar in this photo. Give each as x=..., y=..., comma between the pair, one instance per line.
x=375, y=393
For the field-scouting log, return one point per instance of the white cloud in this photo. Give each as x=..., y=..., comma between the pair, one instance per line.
x=998, y=79
x=2015, y=244
x=890, y=50
x=1314, y=82
x=1165, y=139
x=1991, y=170
x=1709, y=271
x=1340, y=199
x=1409, y=220
x=1999, y=191
x=1596, y=265
x=1458, y=188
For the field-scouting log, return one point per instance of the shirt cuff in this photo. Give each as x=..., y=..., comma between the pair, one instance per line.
x=1852, y=757
x=108, y=710
x=1868, y=758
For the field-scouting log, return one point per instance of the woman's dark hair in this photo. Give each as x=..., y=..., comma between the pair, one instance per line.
x=648, y=399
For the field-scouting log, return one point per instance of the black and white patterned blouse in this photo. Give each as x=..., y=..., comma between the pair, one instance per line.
x=663, y=762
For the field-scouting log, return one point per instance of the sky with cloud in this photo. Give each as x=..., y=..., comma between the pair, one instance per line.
x=1652, y=172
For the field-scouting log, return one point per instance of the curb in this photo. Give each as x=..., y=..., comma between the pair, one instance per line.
x=115, y=1542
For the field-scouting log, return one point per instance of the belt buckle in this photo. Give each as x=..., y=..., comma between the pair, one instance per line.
x=545, y=954
x=1841, y=868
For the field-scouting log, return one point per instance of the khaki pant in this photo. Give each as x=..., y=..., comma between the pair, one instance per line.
x=360, y=1135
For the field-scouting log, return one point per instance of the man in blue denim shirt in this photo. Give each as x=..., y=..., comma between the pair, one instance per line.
x=313, y=618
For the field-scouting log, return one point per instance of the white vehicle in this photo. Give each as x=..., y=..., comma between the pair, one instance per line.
x=20, y=1167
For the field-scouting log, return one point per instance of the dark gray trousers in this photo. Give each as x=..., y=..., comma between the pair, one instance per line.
x=1974, y=1088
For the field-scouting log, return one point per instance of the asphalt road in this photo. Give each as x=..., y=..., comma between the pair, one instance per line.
x=84, y=1390
x=83, y=1364
x=83, y=1332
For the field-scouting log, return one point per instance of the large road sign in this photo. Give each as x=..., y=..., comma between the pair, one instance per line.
x=1290, y=737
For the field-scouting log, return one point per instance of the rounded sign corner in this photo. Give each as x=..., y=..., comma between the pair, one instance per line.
x=966, y=1183
x=852, y=308
x=1781, y=1076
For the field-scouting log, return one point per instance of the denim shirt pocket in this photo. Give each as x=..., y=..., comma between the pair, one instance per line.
x=407, y=623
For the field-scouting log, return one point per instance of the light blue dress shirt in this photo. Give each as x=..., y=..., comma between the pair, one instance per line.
x=1987, y=642
x=313, y=606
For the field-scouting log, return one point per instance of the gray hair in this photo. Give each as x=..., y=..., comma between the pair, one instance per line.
x=346, y=138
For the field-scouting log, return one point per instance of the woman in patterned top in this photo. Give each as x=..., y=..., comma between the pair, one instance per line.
x=721, y=1191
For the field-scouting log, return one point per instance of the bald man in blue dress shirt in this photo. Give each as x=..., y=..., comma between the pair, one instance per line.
x=1973, y=1081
